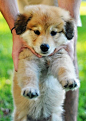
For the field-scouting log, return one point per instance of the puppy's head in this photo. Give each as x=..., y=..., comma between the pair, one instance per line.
x=45, y=28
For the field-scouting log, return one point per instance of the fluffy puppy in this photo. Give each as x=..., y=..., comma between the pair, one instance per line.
x=38, y=85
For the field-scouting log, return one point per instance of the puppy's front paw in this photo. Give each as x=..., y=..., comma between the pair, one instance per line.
x=70, y=84
x=30, y=92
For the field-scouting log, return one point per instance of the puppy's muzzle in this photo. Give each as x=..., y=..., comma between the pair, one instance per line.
x=44, y=48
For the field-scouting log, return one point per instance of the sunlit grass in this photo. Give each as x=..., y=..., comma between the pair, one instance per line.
x=81, y=54
x=81, y=49
x=83, y=8
x=80, y=46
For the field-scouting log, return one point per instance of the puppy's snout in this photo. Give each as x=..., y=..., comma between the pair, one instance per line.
x=44, y=48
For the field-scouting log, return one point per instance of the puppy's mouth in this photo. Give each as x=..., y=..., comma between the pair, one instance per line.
x=44, y=52
x=48, y=53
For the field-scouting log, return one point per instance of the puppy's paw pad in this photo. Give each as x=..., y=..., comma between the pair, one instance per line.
x=30, y=93
x=70, y=84
x=73, y=85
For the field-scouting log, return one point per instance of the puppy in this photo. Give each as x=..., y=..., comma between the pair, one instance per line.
x=38, y=86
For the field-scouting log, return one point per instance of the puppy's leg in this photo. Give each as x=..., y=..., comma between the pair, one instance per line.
x=63, y=69
x=28, y=78
x=16, y=117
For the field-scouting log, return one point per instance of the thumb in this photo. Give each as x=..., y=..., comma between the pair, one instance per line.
x=15, y=55
x=17, y=44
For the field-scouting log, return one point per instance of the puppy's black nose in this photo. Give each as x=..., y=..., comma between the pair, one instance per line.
x=44, y=48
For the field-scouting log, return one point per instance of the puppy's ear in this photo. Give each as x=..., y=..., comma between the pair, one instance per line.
x=21, y=23
x=69, y=29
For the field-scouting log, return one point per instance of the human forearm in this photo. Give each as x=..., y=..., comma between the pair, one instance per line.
x=72, y=6
x=9, y=10
x=71, y=101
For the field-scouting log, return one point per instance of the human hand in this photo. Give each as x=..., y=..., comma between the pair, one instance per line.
x=70, y=49
x=18, y=46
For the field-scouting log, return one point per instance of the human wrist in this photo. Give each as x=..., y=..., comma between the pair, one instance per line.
x=13, y=31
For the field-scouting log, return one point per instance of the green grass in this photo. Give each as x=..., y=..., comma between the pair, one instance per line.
x=81, y=53
x=6, y=69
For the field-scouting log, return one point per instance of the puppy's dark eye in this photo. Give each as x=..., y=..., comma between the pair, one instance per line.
x=53, y=33
x=37, y=32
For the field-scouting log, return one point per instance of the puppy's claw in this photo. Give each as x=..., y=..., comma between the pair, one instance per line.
x=30, y=93
x=23, y=93
x=70, y=84
x=73, y=85
x=66, y=85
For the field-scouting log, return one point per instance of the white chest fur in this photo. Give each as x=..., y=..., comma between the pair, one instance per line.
x=50, y=100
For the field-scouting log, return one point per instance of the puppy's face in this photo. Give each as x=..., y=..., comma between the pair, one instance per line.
x=45, y=28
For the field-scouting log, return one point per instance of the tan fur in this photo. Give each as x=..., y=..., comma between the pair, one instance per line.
x=41, y=76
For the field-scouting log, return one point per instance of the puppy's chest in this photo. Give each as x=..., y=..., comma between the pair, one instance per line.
x=44, y=65
x=47, y=102
x=49, y=88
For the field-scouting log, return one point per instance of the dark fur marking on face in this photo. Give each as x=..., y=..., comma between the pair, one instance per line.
x=69, y=30
x=21, y=23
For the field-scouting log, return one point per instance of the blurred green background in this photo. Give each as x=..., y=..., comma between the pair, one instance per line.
x=6, y=68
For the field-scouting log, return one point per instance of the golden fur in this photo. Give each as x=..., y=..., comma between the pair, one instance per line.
x=37, y=92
